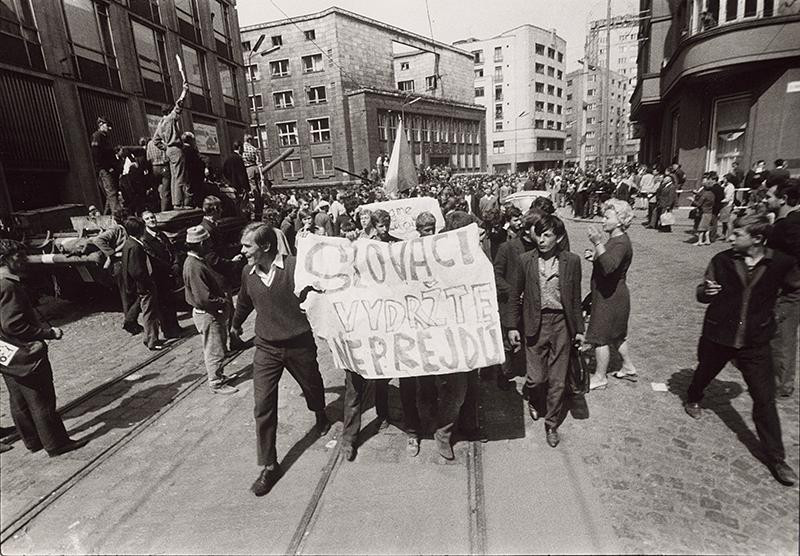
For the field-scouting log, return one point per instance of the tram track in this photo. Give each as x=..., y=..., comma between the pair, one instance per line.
x=30, y=512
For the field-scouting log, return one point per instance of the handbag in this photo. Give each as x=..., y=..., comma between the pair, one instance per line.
x=21, y=359
x=667, y=219
x=578, y=374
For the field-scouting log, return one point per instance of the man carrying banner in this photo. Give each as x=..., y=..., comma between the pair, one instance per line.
x=549, y=280
x=283, y=338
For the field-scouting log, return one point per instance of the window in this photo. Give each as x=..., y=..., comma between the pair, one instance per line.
x=539, y=106
x=498, y=53
x=283, y=99
x=590, y=148
x=322, y=166
x=478, y=92
x=219, y=21
x=404, y=66
x=551, y=107
x=551, y=90
x=252, y=73
x=560, y=58
x=430, y=83
x=255, y=102
x=148, y=9
x=276, y=40
x=539, y=87
x=312, y=63
x=188, y=20
x=317, y=95
x=407, y=85
x=559, y=92
x=729, y=133
x=498, y=92
x=498, y=112
x=320, y=130
x=246, y=45
x=93, y=59
x=498, y=147
x=291, y=169
x=19, y=40
x=591, y=120
x=195, y=67
x=230, y=96
x=590, y=134
x=590, y=92
x=551, y=124
x=539, y=68
x=477, y=56
x=569, y=110
x=540, y=49
x=498, y=73
x=559, y=74
x=382, y=126
x=569, y=82
x=498, y=125
x=569, y=96
x=591, y=78
x=310, y=35
x=279, y=68
x=478, y=73
x=152, y=58
x=287, y=133
x=538, y=124
x=551, y=71
x=549, y=144
x=551, y=53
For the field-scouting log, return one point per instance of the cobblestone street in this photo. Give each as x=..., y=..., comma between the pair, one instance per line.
x=645, y=477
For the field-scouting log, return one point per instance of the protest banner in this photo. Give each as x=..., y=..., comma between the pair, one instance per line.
x=404, y=214
x=410, y=308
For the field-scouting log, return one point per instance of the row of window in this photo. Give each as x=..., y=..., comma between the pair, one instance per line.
x=429, y=130
x=277, y=40
x=321, y=166
x=319, y=132
x=539, y=87
x=408, y=85
x=552, y=53
x=281, y=68
x=542, y=144
x=285, y=99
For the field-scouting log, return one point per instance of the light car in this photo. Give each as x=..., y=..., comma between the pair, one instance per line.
x=523, y=199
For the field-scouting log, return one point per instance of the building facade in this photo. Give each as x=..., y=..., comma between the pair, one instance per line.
x=583, y=115
x=519, y=78
x=66, y=62
x=719, y=82
x=332, y=85
x=623, y=55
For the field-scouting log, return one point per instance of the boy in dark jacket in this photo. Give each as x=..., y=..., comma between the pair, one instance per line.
x=741, y=286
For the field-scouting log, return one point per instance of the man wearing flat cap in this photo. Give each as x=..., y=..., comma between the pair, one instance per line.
x=106, y=165
x=211, y=307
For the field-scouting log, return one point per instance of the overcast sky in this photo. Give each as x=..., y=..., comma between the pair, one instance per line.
x=456, y=19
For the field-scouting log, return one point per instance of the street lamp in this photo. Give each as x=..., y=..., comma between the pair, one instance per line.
x=406, y=103
x=253, y=90
x=516, y=125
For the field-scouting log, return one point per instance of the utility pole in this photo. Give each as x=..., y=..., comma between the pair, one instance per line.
x=253, y=89
x=606, y=90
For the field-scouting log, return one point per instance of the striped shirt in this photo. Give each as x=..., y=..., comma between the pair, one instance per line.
x=249, y=154
x=156, y=156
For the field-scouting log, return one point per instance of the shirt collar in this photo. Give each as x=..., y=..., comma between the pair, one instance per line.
x=277, y=262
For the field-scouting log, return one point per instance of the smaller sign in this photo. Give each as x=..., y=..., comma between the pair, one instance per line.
x=793, y=87
x=404, y=214
x=207, y=138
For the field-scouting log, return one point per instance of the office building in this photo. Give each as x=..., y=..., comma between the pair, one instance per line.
x=519, y=78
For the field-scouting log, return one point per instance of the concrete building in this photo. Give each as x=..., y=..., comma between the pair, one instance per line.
x=66, y=62
x=332, y=85
x=519, y=78
x=718, y=82
x=583, y=116
x=624, y=47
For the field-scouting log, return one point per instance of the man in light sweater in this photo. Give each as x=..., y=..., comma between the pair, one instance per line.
x=283, y=338
x=211, y=307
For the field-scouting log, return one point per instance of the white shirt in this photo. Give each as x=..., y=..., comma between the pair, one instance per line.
x=730, y=193
x=268, y=277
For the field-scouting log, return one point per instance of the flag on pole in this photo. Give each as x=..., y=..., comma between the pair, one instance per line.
x=402, y=174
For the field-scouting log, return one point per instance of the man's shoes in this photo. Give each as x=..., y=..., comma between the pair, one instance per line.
x=4, y=447
x=785, y=392
x=693, y=410
x=552, y=437
x=7, y=431
x=133, y=328
x=445, y=449
x=266, y=480
x=349, y=451
x=68, y=446
x=173, y=334
x=474, y=435
x=223, y=388
x=158, y=345
x=383, y=423
x=323, y=425
x=412, y=446
x=784, y=474
x=533, y=413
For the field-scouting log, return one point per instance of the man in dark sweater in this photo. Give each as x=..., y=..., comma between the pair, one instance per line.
x=106, y=165
x=211, y=307
x=283, y=338
x=741, y=286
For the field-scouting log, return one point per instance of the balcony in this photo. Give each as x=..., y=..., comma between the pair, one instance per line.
x=708, y=14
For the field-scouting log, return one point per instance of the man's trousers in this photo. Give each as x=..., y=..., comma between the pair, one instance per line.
x=548, y=361
x=179, y=178
x=163, y=181
x=755, y=364
x=213, y=328
x=785, y=342
x=299, y=356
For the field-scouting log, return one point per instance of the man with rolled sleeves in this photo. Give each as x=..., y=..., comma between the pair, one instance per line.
x=283, y=338
x=168, y=139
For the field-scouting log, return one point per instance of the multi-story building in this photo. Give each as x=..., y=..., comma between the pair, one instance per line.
x=519, y=78
x=333, y=86
x=718, y=82
x=583, y=117
x=622, y=56
x=66, y=62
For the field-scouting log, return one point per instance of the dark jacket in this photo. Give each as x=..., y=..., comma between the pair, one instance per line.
x=742, y=313
x=526, y=284
x=18, y=320
x=667, y=196
x=136, y=277
x=505, y=266
x=204, y=288
x=235, y=174
x=785, y=235
x=159, y=249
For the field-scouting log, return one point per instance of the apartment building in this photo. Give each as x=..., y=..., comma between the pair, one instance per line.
x=66, y=62
x=334, y=85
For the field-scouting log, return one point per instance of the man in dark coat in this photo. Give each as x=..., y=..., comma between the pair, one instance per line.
x=234, y=171
x=162, y=258
x=137, y=277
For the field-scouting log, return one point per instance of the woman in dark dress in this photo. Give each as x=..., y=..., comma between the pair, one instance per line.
x=611, y=305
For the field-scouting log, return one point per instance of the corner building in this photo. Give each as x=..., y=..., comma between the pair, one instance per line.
x=334, y=85
x=519, y=79
x=720, y=88
x=66, y=62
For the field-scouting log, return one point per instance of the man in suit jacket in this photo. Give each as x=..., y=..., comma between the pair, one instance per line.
x=137, y=278
x=549, y=280
x=162, y=258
